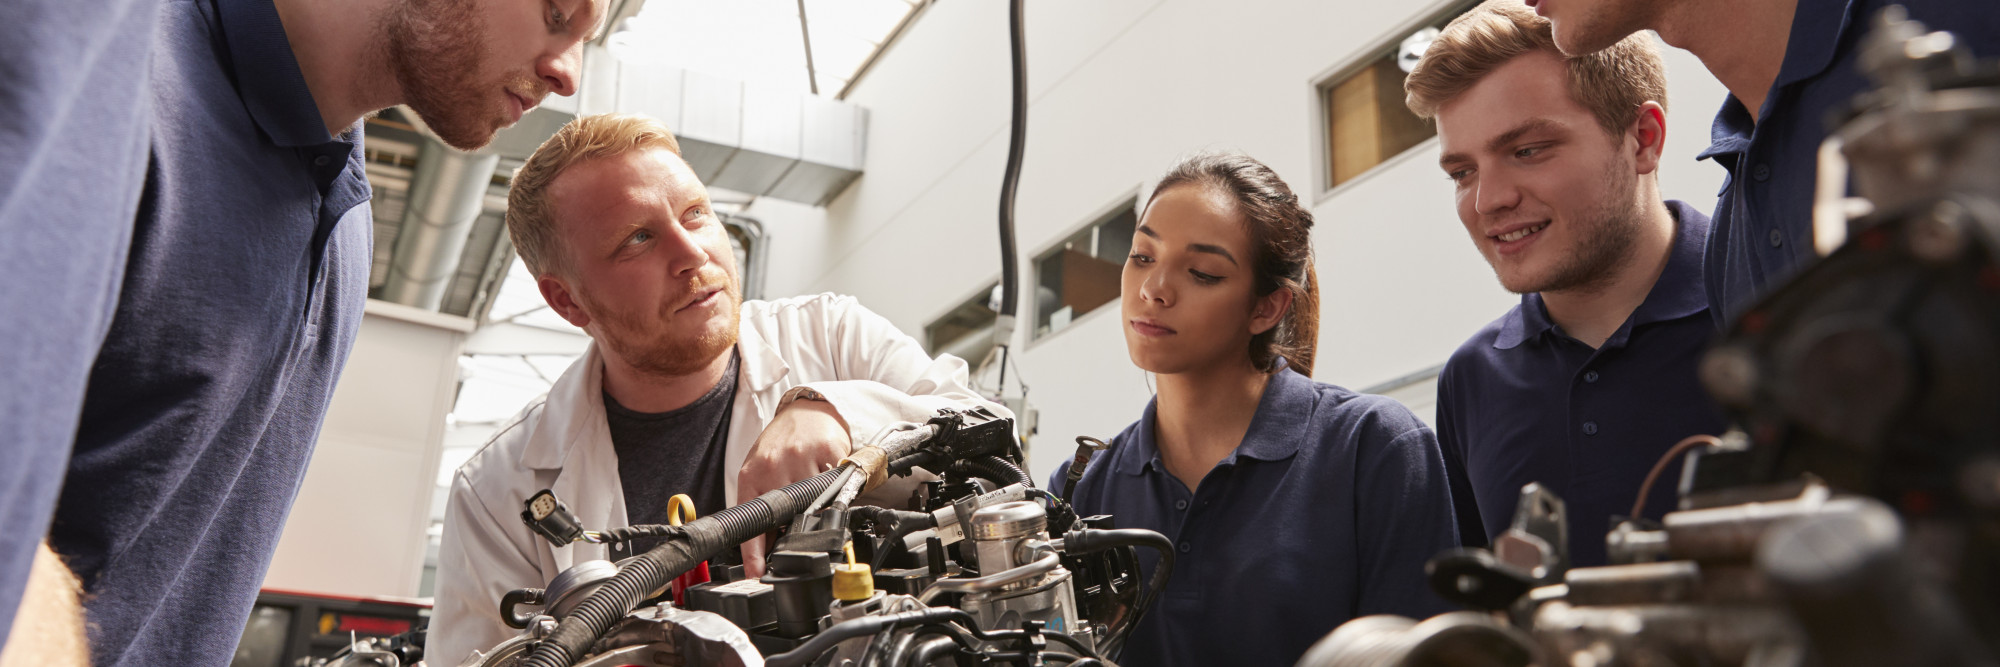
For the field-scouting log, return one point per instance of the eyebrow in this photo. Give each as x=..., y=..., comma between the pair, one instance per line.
x=1506, y=138
x=1197, y=247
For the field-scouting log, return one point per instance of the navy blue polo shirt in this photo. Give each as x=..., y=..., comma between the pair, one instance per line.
x=1763, y=219
x=1522, y=402
x=1327, y=511
x=73, y=128
x=241, y=297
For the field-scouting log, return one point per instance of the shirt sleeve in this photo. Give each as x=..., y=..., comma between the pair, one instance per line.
x=886, y=376
x=1451, y=445
x=74, y=127
x=1403, y=518
x=476, y=566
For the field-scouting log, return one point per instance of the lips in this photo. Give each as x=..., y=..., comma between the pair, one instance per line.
x=1151, y=328
x=522, y=103
x=702, y=297
x=1521, y=232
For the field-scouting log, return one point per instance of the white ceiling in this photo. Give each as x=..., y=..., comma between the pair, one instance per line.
x=761, y=41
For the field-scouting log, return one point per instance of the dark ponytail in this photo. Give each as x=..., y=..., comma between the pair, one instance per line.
x=1281, y=239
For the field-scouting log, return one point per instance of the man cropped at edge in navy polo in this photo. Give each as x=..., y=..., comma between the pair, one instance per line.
x=1591, y=379
x=245, y=282
x=1787, y=63
x=73, y=128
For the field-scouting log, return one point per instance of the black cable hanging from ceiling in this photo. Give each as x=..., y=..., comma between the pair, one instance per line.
x=1016, y=146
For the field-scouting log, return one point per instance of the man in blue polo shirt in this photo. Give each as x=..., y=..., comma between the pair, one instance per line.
x=75, y=147
x=245, y=279
x=1587, y=383
x=1787, y=64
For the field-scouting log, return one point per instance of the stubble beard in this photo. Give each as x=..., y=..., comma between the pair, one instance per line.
x=1604, y=24
x=435, y=51
x=638, y=341
x=1605, y=238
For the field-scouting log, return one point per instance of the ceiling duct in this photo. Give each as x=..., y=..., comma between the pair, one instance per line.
x=446, y=196
x=750, y=139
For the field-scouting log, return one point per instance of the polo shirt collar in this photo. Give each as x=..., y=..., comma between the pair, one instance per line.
x=1276, y=430
x=1818, y=26
x=1525, y=321
x=267, y=75
x=1677, y=293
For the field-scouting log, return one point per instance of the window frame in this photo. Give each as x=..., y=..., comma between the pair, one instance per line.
x=1435, y=13
x=984, y=289
x=1126, y=200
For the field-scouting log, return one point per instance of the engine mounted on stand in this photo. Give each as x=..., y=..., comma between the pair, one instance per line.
x=984, y=568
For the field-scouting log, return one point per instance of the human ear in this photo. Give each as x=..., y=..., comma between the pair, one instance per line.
x=557, y=294
x=1649, y=132
x=1271, y=309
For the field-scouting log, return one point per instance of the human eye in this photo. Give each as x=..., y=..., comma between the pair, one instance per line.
x=638, y=237
x=695, y=215
x=557, y=21
x=1137, y=258
x=1530, y=152
x=1204, y=278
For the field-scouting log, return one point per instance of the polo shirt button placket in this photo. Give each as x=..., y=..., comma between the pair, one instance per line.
x=1186, y=547
x=1590, y=377
x=1762, y=172
x=1590, y=428
x=1777, y=238
x=1181, y=505
x=321, y=161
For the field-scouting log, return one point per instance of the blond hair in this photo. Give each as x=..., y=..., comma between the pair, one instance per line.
x=530, y=214
x=1611, y=83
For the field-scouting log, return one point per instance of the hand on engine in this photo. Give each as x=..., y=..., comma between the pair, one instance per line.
x=805, y=438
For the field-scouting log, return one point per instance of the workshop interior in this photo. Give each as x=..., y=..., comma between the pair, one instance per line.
x=976, y=172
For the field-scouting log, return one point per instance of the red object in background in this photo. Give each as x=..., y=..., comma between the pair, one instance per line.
x=698, y=575
x=371, y=625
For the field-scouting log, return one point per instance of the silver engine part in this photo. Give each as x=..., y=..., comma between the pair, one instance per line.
x=657, y=636
x=1012, y=538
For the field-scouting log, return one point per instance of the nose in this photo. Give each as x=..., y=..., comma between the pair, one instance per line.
x=1155, y=289
x=1495, y=192
x=685, y=254
x=561, y=71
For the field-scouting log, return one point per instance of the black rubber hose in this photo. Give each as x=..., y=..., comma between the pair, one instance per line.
x=929, y=651
x=831, y=490
x=993, y=468
x=697, y=541
x=862, y=627
x=1089, y=540
x=516, y=598
x=1017, y=147
x=904, y=465
x=891, y=654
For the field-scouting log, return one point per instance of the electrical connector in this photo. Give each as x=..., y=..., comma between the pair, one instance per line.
x=551, y=519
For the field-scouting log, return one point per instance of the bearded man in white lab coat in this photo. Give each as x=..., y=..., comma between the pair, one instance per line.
x=685, y=388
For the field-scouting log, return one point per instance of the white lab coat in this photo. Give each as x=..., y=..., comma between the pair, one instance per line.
x=870, y=371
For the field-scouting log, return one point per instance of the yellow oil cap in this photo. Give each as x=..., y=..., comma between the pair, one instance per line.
x=852, y=582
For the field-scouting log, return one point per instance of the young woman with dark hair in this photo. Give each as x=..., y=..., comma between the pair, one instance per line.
x=1293, y=505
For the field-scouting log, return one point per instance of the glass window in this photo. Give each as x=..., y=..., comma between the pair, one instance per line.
x=1367, y=122
x=1081, y=273
x=966, y=331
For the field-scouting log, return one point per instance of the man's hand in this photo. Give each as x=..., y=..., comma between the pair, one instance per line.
x=48, y=627
x=805, y=438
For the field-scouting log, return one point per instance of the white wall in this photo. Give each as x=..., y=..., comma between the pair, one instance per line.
x=359, y=525
x=1119, y=89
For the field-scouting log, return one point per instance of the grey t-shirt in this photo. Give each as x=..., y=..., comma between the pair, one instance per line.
x=665, y=453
